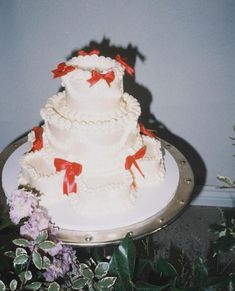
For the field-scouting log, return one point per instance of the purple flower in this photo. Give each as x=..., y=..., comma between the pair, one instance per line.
x=53, y=271
x=21, y=205
x=64, y=262
x=69, y=259
x=38, y=221
x=56, y=249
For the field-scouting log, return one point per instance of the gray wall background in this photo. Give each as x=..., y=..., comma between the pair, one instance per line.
x=189, y=70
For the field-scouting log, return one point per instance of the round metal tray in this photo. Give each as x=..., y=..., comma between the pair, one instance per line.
x=148, y=226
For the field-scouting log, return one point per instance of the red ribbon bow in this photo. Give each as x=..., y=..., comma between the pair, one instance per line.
x=61, y=70
x=146, y=131
x=71, y=170
x=96, y=76
x=93, y=52
x=38, y=142
x=129, y=69
x=131, y=160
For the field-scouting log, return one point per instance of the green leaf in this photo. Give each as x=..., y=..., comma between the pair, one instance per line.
x=101, y=269
x=122, y=263
x=165, y=268
x=225, y=180
x=141, y=264
x=80, y=283
x=144, y=286
x=43, y=235
x=5, y=222
x=33, y=286
x=2, y=286
x=21, y=259
x=25, y=276
x=224, y=243
x=20, y=251
x=87, y=273
x=200, y=272
x=45, y=262
x=10, y=254
x=106, y=283
x=21, y=242
x=217, y=228
x=28, y=275
x=37, y=260
x=13, y=284
x=46, y=245
x=218, y=281
x=83, y=266
x=54, y=287
x=97, y=254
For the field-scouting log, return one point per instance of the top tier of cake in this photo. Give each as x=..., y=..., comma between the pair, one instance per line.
x=95, y=84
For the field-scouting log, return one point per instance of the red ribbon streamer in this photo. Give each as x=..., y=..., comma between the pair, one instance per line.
x=61, y=70
x=131, y=160
x=93, y=52
x=38, y=142
x=146, y=131
x=128, y=68
x=96, y=76
x=71, y=170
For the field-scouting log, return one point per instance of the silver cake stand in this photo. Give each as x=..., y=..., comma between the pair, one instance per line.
x=137, y=230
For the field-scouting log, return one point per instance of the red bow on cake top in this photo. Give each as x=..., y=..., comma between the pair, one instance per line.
x=131, y=160
x=96, y=76
x=129, y=69
x=38, y=141
x=71, y=170
x=93, y=52
x=61, y=70
x=146, y=131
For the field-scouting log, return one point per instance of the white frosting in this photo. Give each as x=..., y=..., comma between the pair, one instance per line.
x=96, y=127
x=101, y=97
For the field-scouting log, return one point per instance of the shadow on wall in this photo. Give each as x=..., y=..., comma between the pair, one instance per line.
x=144, y=97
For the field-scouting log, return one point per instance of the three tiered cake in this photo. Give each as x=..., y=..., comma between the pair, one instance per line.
x=91, y=152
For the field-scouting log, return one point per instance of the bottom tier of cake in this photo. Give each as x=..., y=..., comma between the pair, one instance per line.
x=150, y=199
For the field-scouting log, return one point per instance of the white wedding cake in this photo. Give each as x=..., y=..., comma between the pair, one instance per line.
x=91, y=152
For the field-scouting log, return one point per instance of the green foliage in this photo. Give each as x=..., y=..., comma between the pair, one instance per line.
x=5, y=222
x=101, y=269
x=21, y=242
x=2, y=286
x=33, y=286
x=54, y=287
x=227, y=182
x=165, y=268
x=122, y=272
x=122, y=264
x=46, y=245
x=43, y=235
x=93, y=276
x=37, y=260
